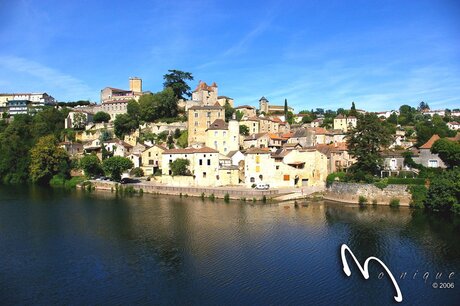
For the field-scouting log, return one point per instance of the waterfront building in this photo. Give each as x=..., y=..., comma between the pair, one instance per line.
x=118, y=147
x=428, y=159
x=151, y=159
x=203, y=167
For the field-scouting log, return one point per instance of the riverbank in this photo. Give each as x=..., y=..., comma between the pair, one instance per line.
x=235, y=193
x=369, y=193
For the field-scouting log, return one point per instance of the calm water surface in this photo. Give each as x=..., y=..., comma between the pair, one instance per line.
x=70, y=247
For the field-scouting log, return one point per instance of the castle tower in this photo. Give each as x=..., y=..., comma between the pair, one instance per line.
x=135, y=84
x=263, y=105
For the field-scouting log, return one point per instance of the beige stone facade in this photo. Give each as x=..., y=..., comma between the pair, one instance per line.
x=344, y=123
x=151, y=159
x=222, y=136
x=200, y=119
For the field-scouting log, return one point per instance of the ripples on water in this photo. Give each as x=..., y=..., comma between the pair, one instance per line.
x=76, y=248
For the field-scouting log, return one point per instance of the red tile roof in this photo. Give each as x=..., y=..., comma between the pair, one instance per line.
x=430, y=142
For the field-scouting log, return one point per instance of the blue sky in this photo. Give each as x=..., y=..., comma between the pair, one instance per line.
x=326, y=54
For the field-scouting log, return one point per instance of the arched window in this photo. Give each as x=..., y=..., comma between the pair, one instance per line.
x=253, y=180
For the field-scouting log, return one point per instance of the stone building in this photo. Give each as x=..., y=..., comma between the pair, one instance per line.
x=200, y=119
x=344, y=123
x=222, y=136
x=265, y=107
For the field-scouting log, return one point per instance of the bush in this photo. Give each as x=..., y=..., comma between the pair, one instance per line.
x=419, y=194
x=394, y=202
x=406, y=181
x=227, y=197
x=264, y=199
x=336, y=176
x=212, y=197
x=374, y=201
x=137, y=172
x=202, y=196
x=362, y=200
x=243, y=199
x=130, y=190
x=382, y=184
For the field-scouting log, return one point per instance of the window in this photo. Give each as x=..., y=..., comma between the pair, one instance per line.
x=261, y=177
x=277, y=167
x=150, y=154
x=196, y=115
x=215, y=133
x=200, y=162
x=225, y=133
x=215, y=144
x=170, y=172
x=209, y=162
x=150, y=162
x=286, y=177
x=196, y=124
x=432, y=163
x=217, y=177
x=204, y=174
x=208, y=114
x=252, y=180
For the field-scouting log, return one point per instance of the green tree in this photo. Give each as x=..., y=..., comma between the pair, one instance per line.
x=444, y=192
x=47, y=160
x=176, y=133
x=365, y=143
x=105, y=135
x=306, y=119
x=244, y=130
x=101, y=117
x=91, y=165
x=182, y=141
x=116, y=165
x=353, y=111
x=177, y=81
x=427, y=128
x=423, y=106
x=239, y=115
x=448, y=151
x=393, y=119
x=133, y=110
x=229, y=110
x=137, y=172
x=124, y=124
x=166, y=105
x=290, y=117
x=180, y=167
x=170, y=142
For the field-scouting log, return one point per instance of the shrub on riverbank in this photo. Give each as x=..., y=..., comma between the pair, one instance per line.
x=394, y=202
x=227, y=198
x=336, y=176
x=362, y=200
x=60, y=181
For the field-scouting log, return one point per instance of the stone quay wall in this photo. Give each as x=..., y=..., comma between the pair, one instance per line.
x=350, y=193
x=219, y=192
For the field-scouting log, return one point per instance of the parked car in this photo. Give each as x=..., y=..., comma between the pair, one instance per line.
x=262, y=186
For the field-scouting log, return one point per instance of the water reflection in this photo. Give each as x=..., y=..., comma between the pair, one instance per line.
x=170, y=250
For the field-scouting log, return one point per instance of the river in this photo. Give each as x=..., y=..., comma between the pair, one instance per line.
x=80, y=248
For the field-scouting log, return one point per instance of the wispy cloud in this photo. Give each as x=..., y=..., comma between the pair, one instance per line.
x=51, y=79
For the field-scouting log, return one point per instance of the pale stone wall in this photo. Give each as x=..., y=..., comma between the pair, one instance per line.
x=350, y=193
x=199, y=120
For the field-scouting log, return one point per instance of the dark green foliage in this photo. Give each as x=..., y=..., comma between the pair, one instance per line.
x=177, y=81
x=444, y=192
x=336, y=176
x=229, y=110
x=382, y=184
x=244, y=130
x=124, y=125
x=394, y=202
x=290, y=117
x=365, y=143
x=91, y=165
x=101, y=117
x=406, y=181
x=116, y=165
x=180, y=167
x=419, y=193
x=182, y=141
x=264, y=199
x=227, y=197
x=427, y=128
x=448, y=151
x=212, y=197
x=137, y=172
x=177, y=133
x=408, y=161
x=362, y=200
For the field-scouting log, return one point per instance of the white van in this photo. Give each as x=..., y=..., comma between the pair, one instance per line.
x=262, y=186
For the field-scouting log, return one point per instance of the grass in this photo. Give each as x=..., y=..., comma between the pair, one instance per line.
x=58, y=181
x=394, y=202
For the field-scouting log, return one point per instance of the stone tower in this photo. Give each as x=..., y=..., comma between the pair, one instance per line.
x=263, y=105
x=135, y=84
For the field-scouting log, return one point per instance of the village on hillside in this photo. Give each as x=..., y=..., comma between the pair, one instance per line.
x=209, y=141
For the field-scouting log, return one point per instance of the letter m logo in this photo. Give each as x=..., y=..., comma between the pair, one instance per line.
x=365, y=270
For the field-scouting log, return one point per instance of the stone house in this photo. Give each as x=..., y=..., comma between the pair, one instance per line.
x=200, y=119
x=151, y=159
x=344, y=123
x=223, y=136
